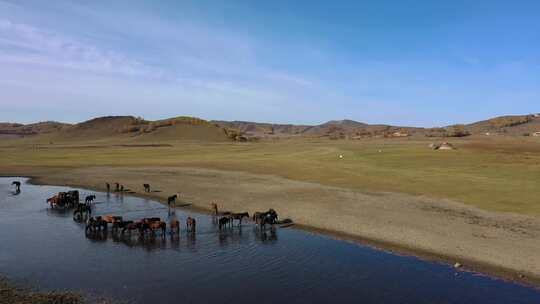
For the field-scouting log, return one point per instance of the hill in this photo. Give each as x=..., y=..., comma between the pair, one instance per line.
x=507, y=125
x=122, y=128
x=135, y=129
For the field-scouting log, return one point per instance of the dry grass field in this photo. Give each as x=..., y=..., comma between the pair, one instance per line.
x=500, y=174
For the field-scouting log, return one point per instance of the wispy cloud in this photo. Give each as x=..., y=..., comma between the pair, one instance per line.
x=25, y=44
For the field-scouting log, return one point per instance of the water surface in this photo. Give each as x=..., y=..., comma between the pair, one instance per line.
x=48, y=249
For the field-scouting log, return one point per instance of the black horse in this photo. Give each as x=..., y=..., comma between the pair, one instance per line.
x=117, y=187
x=172, y=200
x=146, y=187
x=89, y=198
x=224, y=221
x=108, y=187
x=263, y=218
x=17, y=185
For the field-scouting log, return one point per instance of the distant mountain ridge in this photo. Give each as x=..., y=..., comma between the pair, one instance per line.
x=191, y=128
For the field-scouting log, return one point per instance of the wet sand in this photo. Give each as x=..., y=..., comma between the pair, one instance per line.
x=502, y=244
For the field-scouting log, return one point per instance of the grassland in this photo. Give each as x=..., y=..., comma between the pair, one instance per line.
x=500, y=174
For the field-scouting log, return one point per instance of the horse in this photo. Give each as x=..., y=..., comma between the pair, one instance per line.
x=239, y=217
x=257, y=216
x=146, y=187
x=117, y=187
x=263, y=218
x=154, y=225
x=112, y=219
x=140, y=226
x=121, y=188
x=53, y=201
x=224, y=221
x=120, y=225
x=17, y=185
x=270, y=217
x=108, y=187
x=96, y=223
x=89, y=198
x=174, y=225
x=191, y=223
x=81, y=211
x=215, y=208
x=172, y=200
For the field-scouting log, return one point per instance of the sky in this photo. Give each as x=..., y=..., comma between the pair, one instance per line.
x=415, y=63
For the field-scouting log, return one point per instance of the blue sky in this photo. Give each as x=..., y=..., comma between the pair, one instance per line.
x=420, y=63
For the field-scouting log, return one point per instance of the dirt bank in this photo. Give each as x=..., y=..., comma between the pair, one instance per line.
x=503, y=244
x=10, y=294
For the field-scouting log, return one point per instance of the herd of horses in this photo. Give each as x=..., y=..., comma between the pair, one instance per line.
x=226, y=219
x=150, y=226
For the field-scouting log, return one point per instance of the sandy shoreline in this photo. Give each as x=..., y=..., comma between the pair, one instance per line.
x=502, y=245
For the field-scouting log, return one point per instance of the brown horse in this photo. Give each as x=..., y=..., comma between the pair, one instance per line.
x=215, y=208
x=239, y=217
x=146, y=187
x=130, y=226
x=112, y=219
x=191, y=224
x=174, y=225
x=158, y=225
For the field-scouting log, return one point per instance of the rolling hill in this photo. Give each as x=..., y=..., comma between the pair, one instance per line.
x=129, y=128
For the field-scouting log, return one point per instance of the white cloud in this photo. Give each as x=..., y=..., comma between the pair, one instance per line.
x=24, y=44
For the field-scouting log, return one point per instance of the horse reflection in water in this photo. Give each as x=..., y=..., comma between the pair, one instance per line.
x=266, y=236
x=97, y=236
x=144, y=242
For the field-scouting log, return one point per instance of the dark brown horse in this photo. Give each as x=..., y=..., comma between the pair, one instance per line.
x=224, y=221
x=81, y=212
x=121, y=225
x=117, y=187
x=108, y=187
x=146, y=187
x=239, y=217
x=215, y=208
x=95, y=223
x=140, y=226
x=174, y=225
x=191, y=224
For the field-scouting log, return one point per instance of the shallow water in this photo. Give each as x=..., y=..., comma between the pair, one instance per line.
x=48, y=249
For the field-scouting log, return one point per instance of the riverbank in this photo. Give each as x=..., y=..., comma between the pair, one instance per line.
x=9, y=294
x=501, y=244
